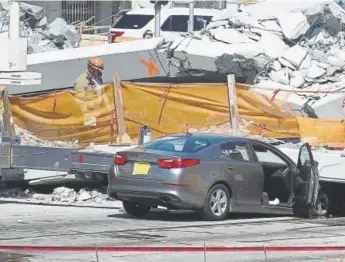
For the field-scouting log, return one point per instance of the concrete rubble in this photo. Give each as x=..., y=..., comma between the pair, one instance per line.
x=42, y=36
x=60, y=195
x=278, y=45
x=28, y=139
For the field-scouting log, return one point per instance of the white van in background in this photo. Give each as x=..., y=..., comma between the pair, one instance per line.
x=140, y=23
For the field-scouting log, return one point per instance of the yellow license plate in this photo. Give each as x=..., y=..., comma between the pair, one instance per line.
x=141, y=168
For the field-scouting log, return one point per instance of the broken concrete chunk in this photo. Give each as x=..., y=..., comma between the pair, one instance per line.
x=281, y=76
x=269, y=26
x=316, y=72
x=295, y=55
x=231, y=36
x=84, y=195
x=33, y=25
x=318, y=55
x=340, y=54
x=335, y=62
x=297, y=80
x=217, y=24
x=306, y=62
x=72, y=35
x=43, y=22
x=286, y=63
x=293, y=25
x=242, y=20
x=331, y=71
x=57, y=28
x=274, y=46
x=276, y=66
x=34, y=11
x=322, y=65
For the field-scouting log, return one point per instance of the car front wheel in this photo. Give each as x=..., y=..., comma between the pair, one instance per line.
x=217, y=202
x=135, y=209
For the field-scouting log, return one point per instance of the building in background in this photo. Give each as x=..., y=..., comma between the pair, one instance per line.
x=73, y=11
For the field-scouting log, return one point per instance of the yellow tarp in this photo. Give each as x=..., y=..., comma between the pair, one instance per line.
x=166, y=108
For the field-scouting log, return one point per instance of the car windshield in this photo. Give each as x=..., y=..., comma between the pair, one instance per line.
x=186, y=144
x=128, y=21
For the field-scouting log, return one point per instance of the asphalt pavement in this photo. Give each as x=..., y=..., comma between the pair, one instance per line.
x=39, y=225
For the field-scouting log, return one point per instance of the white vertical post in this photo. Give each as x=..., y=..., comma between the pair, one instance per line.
x=233, y=107
x=222, y=4
x=191, y=17
x=14, y=21
x=158, y=9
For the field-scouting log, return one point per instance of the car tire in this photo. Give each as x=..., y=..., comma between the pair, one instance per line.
x=136, y=209
x=219, y=193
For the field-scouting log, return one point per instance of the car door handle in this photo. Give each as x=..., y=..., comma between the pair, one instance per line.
x=231, y=167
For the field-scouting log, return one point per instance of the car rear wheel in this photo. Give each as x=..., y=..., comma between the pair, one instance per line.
x=135, y=209
x=217, y=202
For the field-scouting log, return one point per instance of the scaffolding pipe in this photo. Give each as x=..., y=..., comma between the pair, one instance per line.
x=158, y=9
x=191, y=17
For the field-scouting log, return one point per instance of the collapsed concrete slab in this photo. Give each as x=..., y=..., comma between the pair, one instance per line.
x=131, y=60
x=298, y=45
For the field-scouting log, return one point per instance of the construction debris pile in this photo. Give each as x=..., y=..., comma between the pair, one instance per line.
x=243, y=131
x=276, y=45
x=60, y=195
x=293, y=44
x=29, y=139
x=42, y=36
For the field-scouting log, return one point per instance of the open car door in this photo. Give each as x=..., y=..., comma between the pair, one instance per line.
x=307, y=183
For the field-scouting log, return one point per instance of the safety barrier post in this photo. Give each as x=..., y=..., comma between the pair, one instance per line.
x=233, y=107
x=122, y=136
x=7, y=119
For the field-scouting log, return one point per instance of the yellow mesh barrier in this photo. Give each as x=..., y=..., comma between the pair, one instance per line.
x=167, y=108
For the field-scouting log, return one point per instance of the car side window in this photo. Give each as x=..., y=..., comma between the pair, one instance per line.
x=179, y=23
x=235, y=150
x=305, y=157
x=176, y=23
x=266, y=155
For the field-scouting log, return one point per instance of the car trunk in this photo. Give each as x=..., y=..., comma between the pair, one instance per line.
x=142, y=164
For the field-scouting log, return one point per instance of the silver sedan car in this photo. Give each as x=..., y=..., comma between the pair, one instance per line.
x=215, y=174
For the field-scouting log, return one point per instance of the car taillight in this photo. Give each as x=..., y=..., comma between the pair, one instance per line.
x=177, y=163
x=120, y=160
x=112, y=36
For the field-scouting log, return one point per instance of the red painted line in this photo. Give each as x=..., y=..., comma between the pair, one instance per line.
x=174, y=249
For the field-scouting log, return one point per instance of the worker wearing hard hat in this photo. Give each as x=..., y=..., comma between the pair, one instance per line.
x=92, y=77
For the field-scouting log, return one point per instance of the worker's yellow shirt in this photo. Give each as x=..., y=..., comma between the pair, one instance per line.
x=81, y=84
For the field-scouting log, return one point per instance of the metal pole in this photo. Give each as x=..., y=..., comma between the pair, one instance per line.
x=158, y=8
x=222, y=4
x=191, y=17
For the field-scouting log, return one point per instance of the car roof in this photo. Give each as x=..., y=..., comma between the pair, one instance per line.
x=213, y=137
x=174, y=11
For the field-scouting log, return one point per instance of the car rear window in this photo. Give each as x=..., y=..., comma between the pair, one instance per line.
x=178, y=144
x=128, y=21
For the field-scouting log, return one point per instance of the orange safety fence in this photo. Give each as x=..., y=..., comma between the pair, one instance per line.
x=166, y=108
